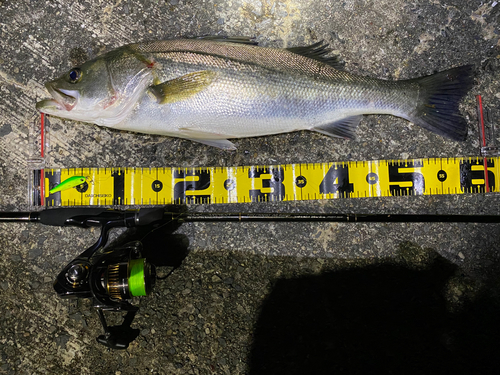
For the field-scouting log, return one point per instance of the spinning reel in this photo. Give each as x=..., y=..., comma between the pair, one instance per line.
x=112, y=277
x=109, y=277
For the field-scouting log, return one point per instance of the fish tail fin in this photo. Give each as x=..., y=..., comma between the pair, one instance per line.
x=439, y=97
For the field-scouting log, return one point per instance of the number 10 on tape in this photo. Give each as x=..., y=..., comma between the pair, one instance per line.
x=209, y=185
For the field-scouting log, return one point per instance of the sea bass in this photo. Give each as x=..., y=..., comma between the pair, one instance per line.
x=210, y=90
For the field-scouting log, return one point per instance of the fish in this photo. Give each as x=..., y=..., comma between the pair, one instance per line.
x=210, y=90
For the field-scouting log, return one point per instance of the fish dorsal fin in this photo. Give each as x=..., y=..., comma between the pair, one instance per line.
x=319, y=51
x=182, y=87
x=230, y=39
x=343, y=128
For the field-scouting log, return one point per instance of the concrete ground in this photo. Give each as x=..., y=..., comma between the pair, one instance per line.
x=259, y=298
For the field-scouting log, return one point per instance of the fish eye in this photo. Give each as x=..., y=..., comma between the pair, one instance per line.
x=75, y=75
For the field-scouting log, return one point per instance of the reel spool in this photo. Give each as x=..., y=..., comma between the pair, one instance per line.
x=125, y=280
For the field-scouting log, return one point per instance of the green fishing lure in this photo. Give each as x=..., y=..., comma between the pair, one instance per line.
x=68, y=184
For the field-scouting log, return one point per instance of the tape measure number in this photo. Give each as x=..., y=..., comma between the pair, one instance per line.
x=160, y=186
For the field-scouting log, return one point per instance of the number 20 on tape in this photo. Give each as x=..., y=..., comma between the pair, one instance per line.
x=361, y=179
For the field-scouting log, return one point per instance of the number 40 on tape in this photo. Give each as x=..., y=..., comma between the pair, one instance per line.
x=289, y=182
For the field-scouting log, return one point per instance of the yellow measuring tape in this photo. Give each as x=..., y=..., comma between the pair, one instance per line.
x=290, y=182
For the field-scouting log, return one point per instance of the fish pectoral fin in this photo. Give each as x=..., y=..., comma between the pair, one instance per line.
x=182, y=87
x=319, y=51
x=343, y=128
x=209, y=139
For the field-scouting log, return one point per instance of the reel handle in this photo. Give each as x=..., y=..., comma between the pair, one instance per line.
x=117, y=337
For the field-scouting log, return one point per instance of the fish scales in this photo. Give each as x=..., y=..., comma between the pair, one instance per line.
x=211, y=91
x=313, y=81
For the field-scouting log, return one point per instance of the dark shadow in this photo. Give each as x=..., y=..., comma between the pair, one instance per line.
x=378, y=319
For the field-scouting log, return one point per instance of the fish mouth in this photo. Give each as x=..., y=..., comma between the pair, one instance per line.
x=62, y=100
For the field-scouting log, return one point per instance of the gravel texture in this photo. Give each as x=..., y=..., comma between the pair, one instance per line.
x=259, y=298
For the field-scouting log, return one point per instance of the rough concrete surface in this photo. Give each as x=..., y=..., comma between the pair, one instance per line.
x=259, y=298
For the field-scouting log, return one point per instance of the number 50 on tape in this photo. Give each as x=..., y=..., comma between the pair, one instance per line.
x=290, y=182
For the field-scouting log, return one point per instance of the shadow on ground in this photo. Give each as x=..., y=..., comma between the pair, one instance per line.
x=391, y=318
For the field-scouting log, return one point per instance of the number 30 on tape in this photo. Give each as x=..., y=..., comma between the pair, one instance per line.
x=290, y=182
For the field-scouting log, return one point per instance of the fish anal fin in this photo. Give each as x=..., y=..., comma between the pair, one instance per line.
x=182, y=87
x=207, y=138
x=343, y=128
x=223, y=144
x=319, y=51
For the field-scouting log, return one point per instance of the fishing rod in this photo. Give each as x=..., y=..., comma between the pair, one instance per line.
x=145, y=216
x=111, y=278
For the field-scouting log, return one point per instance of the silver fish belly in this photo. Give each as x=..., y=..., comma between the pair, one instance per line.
x=210, y=91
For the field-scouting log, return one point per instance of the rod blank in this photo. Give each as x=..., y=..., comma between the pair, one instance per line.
x=272, y=217
x=19, y=216
x=346, y=218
